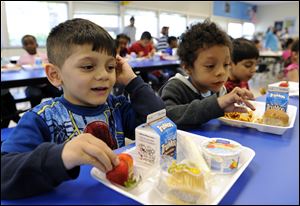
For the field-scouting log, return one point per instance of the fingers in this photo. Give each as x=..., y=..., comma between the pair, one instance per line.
x=108, y=152
x=248, y=104
x=242, y=96
x=243, y=93
x=98, y=158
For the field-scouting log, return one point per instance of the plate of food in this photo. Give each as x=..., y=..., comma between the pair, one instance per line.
x=10, y=67
x=153, y=179
x=272, y=121
x=32, y=67
x=293, y=87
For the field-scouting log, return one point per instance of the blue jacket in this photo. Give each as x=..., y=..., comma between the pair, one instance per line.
x=31, y=156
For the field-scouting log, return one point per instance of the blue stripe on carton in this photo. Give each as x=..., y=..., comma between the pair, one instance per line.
x=167, y=130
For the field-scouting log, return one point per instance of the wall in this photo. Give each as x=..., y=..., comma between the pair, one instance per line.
x=267, y=15
x=202, y=8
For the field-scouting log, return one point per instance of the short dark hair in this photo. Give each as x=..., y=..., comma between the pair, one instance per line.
x=243, y=49
x=198, y=36
x=73, y=32
x=26, y=36
x=171, y=38
x=295, y=46
x=124, y=36
x=146, y=35
x=132, y=18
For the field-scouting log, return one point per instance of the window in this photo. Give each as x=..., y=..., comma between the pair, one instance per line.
x=195, y=20
x=176, y=22
x=144, y=21
x=248, y=30
x=235, y=30
x=109, y=22
x=35, y=18
x=105, y=14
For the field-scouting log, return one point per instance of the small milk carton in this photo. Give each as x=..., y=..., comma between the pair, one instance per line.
x=277, y=98
x=157, y=137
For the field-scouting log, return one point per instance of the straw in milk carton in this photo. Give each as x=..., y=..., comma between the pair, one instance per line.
x=156, y=138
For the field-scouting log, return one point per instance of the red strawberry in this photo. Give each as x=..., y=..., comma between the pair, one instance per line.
x=284, y=84
x=119, y=174
x=101, y=130
x=127, y=158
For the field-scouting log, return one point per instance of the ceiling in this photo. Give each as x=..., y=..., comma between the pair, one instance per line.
x=262, y=3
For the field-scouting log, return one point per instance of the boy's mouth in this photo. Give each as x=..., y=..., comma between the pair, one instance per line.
x=99, y=89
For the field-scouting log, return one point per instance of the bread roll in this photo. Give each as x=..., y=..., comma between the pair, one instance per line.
x=276, y=118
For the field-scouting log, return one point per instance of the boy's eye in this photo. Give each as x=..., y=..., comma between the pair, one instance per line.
x=226, y=66
x=87, y=67
x=111, y=67
x=211, y=66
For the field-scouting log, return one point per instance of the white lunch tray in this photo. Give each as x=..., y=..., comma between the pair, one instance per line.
x=260, y=109
x=146, y=192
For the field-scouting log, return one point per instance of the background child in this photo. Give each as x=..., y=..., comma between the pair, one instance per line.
x=291, y=71
x=36, y=93
x=243, y=67
x=48, y=145
x=121, y=44
x=173, y=43
x=190, y=101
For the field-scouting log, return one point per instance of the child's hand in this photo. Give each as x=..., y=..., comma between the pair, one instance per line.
x=124, y=71
x=239, y=96
x=87, y=149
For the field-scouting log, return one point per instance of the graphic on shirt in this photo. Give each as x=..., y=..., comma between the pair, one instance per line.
x=101, y=130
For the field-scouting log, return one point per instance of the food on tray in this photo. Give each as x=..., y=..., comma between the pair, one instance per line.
x=123, y=173
x=284, y=84
x=247, y=117
x=222, y=155
x=101, y=130
x=185, y=183
x=276, y=118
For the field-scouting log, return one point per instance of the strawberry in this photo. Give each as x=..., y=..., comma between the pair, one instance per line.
x=122, y=174
x=119, y=174
x=127, y=158
x=284, y=84
x=101, y=130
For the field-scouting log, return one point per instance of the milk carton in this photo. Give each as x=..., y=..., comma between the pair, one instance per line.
x=277, y=98
x=155, y=138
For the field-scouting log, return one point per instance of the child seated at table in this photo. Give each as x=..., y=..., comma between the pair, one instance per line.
x=244, y=59
x=291, y=70
x=49, y=143
x=190, y=101
x=122, y=41
x=173, y=43
x=38, y=92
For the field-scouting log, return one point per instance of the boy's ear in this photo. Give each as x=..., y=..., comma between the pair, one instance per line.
x=53, y=74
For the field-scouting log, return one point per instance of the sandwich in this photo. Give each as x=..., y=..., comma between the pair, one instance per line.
x=276, y=118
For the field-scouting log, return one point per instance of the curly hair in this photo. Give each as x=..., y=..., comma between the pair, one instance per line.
x=201, y=36
x=63, y=37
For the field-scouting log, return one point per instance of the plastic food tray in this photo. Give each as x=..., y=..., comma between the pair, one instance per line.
x=260, y=109
x=146, y=192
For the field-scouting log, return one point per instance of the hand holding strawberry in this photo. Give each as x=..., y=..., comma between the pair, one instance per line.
x=122, y=174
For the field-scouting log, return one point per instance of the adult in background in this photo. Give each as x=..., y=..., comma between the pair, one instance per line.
x=130, y=31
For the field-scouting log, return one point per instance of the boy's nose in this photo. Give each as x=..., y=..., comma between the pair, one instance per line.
x=101, y=74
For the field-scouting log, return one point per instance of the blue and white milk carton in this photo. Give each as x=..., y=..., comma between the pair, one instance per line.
x=277, y=98
x=156, y=138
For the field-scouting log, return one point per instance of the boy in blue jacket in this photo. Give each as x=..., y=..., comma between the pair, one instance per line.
x=49, y=143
